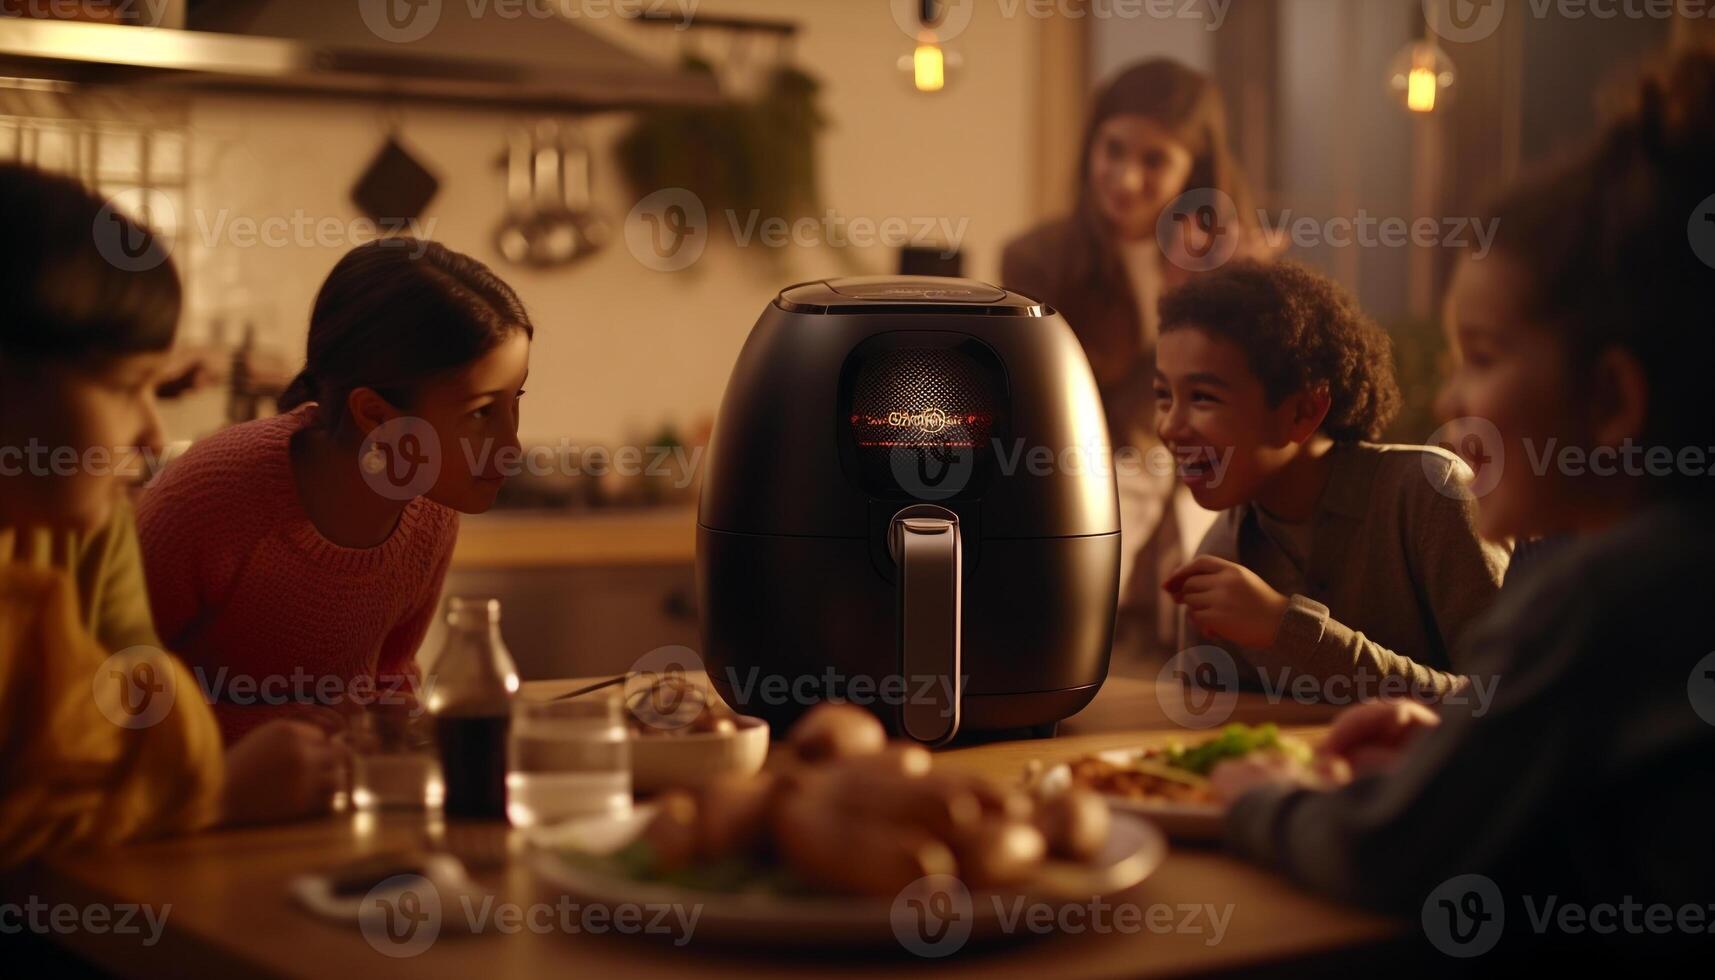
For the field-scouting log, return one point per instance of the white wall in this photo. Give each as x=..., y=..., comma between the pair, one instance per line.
x=1117, y=42
x=621, y=348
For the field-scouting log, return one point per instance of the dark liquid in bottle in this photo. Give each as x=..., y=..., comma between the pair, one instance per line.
x=473, y=764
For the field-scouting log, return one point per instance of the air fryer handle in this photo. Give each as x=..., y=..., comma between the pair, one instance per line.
x=924, y=541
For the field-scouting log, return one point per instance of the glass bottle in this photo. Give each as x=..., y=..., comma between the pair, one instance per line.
x=473, y=680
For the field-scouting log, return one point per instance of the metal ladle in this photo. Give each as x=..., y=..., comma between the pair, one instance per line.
x=512, y=238
x=549, y=222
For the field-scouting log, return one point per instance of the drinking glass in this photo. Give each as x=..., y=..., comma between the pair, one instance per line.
x=567, y=759
x=393, y=760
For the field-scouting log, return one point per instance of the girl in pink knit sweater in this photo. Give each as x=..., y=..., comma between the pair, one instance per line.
x=296, y=561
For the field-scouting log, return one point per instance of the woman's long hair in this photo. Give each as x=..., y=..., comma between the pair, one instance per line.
x=1187, y=104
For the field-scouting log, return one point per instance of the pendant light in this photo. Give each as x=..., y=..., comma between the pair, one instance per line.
x=929, y=64
x=1421, y=72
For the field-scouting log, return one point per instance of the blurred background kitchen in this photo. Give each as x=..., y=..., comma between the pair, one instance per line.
x=261, y=134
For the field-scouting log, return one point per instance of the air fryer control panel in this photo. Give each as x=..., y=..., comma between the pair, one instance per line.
x=919, y=415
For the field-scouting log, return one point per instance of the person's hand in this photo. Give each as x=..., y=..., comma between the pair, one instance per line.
x=1374, y=735
x=282, y=770
x=1235, y=777
x=1228, y=601
x=332, y=719
x=390, y=722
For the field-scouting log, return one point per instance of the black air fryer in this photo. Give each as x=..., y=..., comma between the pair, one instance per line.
x=908, y=505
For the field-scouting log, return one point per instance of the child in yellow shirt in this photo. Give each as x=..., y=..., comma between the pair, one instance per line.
x=103, y=736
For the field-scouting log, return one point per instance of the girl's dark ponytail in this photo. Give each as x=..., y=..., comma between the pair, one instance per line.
x=302, y=389
x=395, y=313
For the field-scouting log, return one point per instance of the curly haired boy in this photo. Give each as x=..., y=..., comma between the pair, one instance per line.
x=1338, y=566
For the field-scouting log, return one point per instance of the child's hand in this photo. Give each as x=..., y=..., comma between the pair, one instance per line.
x=1373, y=735
x=1233, y=778
x=282, y=770
x=1228, y=601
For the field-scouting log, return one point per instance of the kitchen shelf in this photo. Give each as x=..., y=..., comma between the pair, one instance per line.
x=547, y=539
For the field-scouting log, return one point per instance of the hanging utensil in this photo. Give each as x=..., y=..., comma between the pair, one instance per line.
x=554, y=236
x=593, y=230
x=512, y=238
x=549, y=221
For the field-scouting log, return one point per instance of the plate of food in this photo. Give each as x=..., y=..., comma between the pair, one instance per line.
x=1170, y=783
x=845, y=840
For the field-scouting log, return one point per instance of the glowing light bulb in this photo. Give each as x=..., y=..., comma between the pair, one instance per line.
x=928, y=68
x=1420, y=90
x=1419, y=74
x=929, y=65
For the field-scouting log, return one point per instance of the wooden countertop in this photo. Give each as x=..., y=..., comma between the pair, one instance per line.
x=230, y=912
x=549, y=539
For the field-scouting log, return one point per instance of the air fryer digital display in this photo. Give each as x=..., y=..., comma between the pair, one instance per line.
x=920, y=420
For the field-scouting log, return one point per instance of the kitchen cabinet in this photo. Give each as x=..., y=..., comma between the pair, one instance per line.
x=581, y=594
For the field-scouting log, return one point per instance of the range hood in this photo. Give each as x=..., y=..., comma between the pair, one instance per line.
x=511, y=53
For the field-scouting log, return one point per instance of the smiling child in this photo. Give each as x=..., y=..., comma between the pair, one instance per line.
x=1333, y=558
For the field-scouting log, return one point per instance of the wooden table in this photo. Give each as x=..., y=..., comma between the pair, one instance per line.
x=230, y=912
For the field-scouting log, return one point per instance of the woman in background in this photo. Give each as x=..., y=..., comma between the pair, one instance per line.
x=308, y=550
x=1156, y=132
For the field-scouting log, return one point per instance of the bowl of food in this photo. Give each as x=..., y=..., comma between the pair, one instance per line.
x=683, y=735
x=844, y=839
